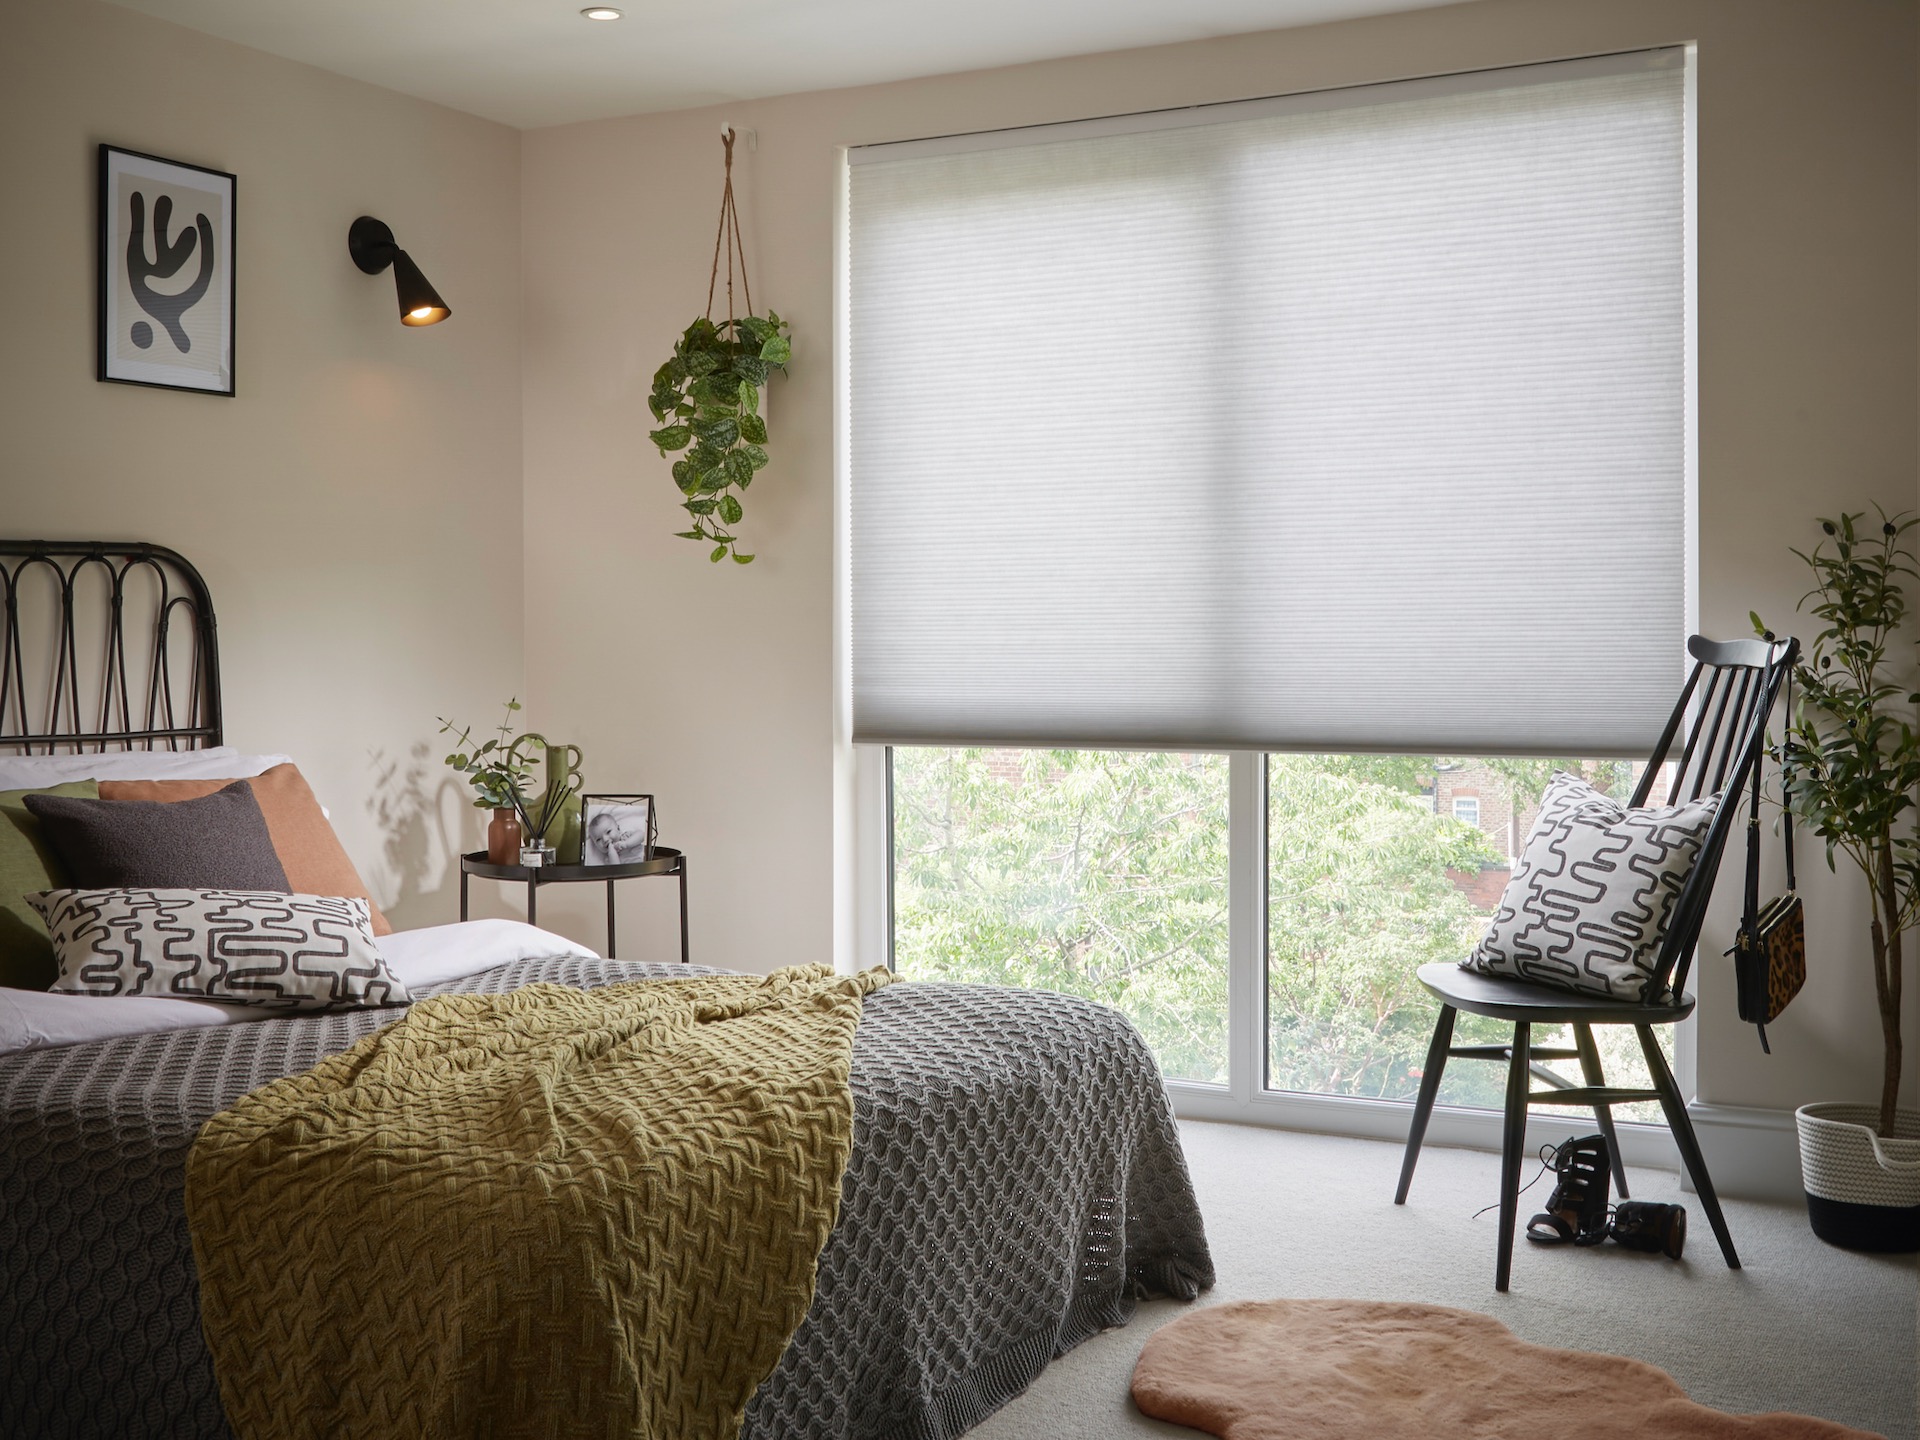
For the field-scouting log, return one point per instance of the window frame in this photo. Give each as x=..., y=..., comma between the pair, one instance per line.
x=1245, y=1098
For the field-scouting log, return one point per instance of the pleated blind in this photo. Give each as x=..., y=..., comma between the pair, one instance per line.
x=1348, y=421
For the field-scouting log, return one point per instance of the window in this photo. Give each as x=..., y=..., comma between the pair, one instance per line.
x=1100, y=873
x=1154, y=617
x=1365, y=884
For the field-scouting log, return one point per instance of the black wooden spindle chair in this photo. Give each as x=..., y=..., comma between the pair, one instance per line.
x=1725, y=722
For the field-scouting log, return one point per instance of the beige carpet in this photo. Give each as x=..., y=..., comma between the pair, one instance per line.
x=1803, y=1328
x=1393, y=1370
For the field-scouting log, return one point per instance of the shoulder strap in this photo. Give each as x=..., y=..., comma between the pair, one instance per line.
x=1786, y=773
x=1750, y=902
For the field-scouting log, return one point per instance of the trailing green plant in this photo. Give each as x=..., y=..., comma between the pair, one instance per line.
x=709, y=396
x=1850, y=760
x=495, y=771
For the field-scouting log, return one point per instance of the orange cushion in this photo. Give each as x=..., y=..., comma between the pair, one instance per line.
x=309, y=851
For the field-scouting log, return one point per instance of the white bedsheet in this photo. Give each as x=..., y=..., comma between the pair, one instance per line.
x=38, y=1020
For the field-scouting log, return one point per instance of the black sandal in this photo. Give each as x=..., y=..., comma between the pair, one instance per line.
x=1576, y=1212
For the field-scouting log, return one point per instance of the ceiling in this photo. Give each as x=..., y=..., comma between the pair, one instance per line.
x=528, y=63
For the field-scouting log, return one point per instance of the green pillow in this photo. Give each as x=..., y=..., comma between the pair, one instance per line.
x=28, y=863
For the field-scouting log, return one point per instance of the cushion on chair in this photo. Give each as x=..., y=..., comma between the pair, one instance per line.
x=1588, y=907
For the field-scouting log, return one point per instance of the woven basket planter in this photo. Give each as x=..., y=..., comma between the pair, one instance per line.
x=1863, y=1192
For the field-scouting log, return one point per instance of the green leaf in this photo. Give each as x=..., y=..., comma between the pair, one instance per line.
x=701, y=507
x=683, y=410
x=690, y=534
x=750, y=370
x=777, y=351
x=719, y=554
x=753, y=429
x=685, y=476
x=674, y=437
x=738, y=467
x=720, y=390
x=718, y=433
x=740, y=559
x=756, y=457
x=730, y=510
x=750, y=397
x=759, y=329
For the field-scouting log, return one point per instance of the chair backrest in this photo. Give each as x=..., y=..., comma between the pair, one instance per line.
x=1720, y=726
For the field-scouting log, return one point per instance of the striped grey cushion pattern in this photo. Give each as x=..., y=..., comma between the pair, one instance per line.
x=252, y=947
x=1587, y=909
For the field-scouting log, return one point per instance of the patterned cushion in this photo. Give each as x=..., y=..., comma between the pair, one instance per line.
x=291, y=952
x=1587, y=909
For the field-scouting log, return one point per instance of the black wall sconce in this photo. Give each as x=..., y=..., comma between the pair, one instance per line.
x=372, y=246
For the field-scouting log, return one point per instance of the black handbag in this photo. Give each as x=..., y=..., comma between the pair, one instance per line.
x=1770, y=952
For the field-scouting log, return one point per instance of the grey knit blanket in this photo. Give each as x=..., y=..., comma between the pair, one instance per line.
x=1016, y=1185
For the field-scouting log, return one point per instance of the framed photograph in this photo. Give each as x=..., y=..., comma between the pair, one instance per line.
x=617, y=829
x=166, y=273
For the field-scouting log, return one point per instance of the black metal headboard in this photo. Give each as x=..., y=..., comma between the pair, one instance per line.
x=106, y=646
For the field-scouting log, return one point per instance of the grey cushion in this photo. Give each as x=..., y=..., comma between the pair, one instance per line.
x=218, y=842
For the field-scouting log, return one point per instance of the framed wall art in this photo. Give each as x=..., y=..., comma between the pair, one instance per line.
x=617, y=829
x=166, y=273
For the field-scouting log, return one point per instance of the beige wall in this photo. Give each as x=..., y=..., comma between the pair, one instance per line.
x=356, y=507
x=713, y=686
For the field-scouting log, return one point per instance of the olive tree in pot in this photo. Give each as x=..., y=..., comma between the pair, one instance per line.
x=1850, y=766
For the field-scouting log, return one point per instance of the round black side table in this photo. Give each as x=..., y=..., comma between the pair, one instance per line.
x=665, y=861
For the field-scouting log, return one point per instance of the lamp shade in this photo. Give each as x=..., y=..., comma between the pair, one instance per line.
x=420, y=303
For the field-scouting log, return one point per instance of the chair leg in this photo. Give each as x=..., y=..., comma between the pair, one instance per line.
x=1423, y=1106
x=1689, y=1144
x=1519, y=1082
x=1590, y=1067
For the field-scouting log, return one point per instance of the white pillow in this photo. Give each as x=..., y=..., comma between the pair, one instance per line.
x=419, y=958
x=222, y=762
x=248, y=947
x=1587, y=910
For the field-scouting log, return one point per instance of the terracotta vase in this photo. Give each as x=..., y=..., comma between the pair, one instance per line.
x=503, y=838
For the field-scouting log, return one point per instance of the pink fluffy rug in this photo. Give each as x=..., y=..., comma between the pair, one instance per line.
x=1368, y=1370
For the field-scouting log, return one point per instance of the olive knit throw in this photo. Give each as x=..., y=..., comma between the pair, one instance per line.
x=553, y=1212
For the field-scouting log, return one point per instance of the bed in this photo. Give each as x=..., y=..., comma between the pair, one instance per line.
x=1016, y=1181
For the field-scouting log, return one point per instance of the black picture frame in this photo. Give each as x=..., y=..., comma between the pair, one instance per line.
x=138, y=341
x=594, y=850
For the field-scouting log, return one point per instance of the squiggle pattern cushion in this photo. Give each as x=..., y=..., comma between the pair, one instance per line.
x=1588, y=907
x=292, y=952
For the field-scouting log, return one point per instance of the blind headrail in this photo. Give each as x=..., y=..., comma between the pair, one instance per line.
x=1626, y=62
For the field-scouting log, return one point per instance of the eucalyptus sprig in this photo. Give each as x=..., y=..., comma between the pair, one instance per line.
x=709, y=396
x=496, y=772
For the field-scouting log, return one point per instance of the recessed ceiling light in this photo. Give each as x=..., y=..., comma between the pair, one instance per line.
x=601, y=12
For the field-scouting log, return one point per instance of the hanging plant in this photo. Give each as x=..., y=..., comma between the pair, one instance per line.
x=708, y=395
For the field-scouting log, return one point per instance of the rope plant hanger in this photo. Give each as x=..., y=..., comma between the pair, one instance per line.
x=708, y=395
